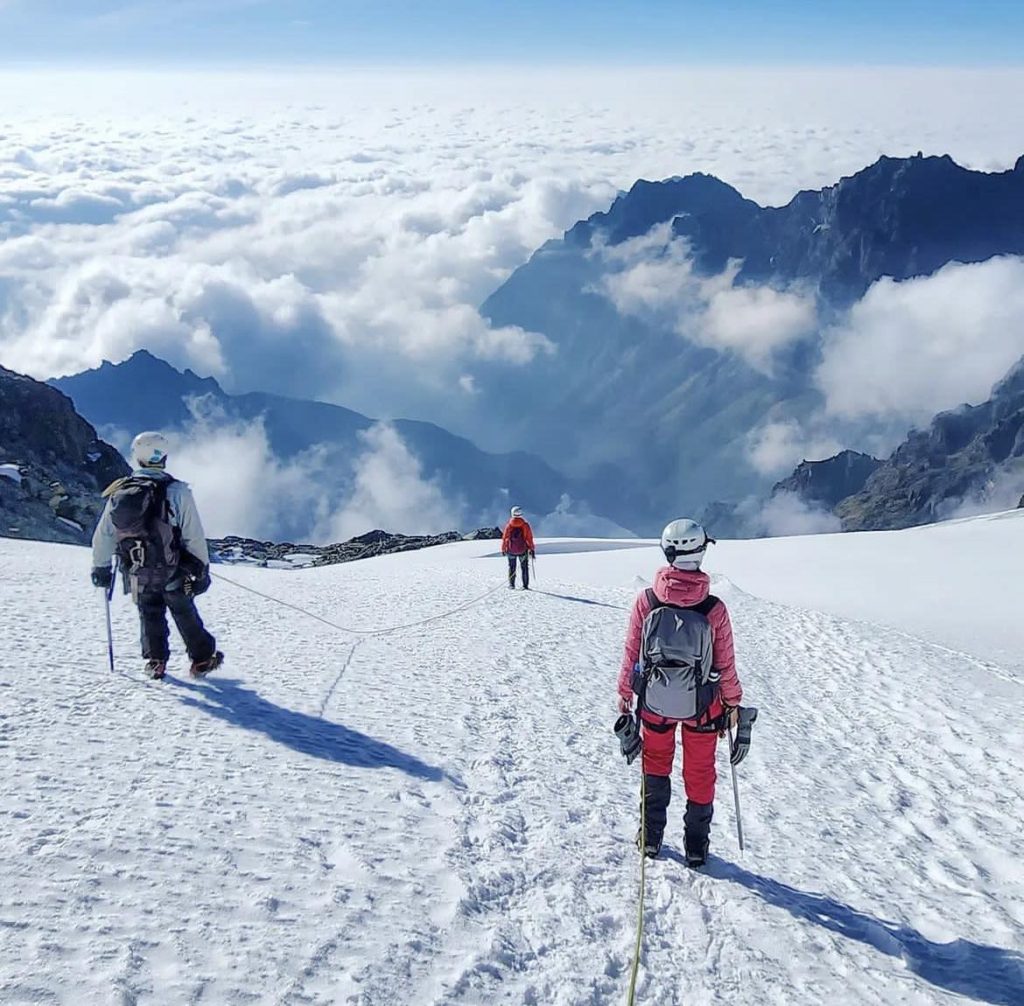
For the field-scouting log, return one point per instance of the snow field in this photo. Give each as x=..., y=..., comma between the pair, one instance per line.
x=442, y=816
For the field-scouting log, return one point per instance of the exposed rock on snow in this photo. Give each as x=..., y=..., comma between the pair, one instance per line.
x=285, y=554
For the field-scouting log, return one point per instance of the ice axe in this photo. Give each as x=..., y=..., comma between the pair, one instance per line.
x=738, y=748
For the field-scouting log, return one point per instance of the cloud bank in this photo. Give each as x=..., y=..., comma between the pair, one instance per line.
x=901, y=354
x=250, y=225
x=390, y=492
x=319, y=496
x=911, y=349
x=331, y=235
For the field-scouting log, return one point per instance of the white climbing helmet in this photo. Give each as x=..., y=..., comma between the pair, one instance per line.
x=149, y=450
x=517, y=511
x=684, y=543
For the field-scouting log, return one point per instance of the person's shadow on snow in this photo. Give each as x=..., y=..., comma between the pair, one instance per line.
x=310, y=735
x=988, y=974
x=580, y=600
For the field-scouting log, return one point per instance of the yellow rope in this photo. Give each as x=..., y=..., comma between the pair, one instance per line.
x=643, y=883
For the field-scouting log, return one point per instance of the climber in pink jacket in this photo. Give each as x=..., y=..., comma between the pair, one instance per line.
x=704, y=703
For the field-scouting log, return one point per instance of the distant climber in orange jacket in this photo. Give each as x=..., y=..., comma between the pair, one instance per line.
x=517, y=545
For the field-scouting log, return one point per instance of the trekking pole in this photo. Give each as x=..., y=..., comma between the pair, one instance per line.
x=108, y=593
x=736, y=793
x=110, y=634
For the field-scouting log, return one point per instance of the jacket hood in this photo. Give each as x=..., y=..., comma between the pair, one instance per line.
x=683, y=587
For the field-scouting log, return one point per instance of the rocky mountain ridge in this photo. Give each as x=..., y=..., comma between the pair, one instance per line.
x=828, y=482
x=967, y=460
x=880, y=221
x=53, y=467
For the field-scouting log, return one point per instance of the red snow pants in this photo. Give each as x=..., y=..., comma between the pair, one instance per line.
x=698, y=757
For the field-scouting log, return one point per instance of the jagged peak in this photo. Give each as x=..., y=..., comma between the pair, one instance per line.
x=844, y=455
x=694, y=180
x=648, y=203
x=145, y=363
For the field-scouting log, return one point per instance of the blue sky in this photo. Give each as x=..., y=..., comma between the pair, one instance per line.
x=911, y=32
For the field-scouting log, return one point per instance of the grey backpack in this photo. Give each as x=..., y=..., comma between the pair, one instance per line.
x=677, y=675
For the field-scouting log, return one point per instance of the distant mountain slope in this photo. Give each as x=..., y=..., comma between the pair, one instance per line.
x=970, y=458
x=145, y=392
x=827, y=482
x=52, y=465
x=627, y=398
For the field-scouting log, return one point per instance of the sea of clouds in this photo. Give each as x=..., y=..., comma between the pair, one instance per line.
x=331, y=235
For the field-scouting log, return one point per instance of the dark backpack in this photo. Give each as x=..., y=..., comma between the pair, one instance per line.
x=677, y=678
x=148, y=545
x=517, y=540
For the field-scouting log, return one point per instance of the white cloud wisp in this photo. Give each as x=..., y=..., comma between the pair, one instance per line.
x=653, y=277
x=912, y=349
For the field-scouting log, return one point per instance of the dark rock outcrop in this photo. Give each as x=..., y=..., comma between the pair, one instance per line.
x=53, y=467
x=365, y=546
x=961, y=458
x=826, y=483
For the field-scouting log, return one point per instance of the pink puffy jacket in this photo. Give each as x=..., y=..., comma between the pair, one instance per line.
x=685, y=588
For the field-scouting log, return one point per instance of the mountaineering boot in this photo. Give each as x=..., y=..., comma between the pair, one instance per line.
x=658, y=792
x=696, y=837
x=650, y=849
x=156, y=669
x=200, y=668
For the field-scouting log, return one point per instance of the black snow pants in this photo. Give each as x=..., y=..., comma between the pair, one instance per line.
x=153, y=607
x=524, y=564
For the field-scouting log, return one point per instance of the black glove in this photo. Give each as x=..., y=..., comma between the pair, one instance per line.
x=102, y=576
x=628, y=732
x=198, y=584
x=741, y=742
x=533, y=555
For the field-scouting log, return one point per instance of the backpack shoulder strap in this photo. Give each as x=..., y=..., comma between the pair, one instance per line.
x=705, y=606
x=163, y=498
x=653, y=601
x=114, y=486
